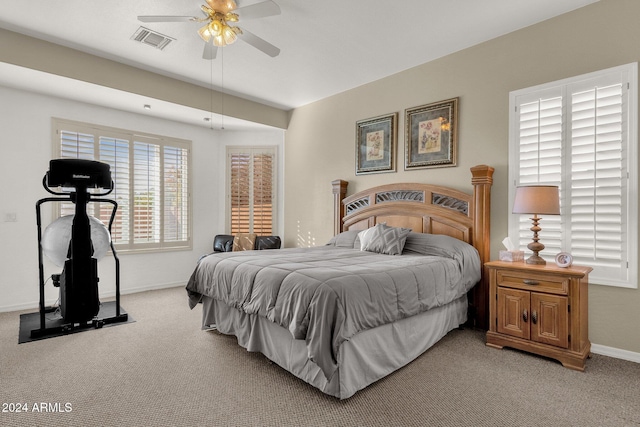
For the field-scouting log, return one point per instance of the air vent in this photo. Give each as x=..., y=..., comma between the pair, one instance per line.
x=152, y=38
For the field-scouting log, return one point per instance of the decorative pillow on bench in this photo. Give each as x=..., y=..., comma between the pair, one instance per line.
x=244, y=242
x=225, y=243
x=268, y=242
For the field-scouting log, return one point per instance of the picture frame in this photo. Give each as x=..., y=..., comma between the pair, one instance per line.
x=376, y=144
x=564, y=259
x=431, y=135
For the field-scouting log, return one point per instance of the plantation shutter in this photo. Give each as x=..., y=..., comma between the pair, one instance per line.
x=151, y=176
x=146, y=192
x=176, y=189
x=76, y=145
x=251, y=189
x=239, y=197
x=597, y=195
x=576, y=135
x=115, y=152
x=540, y=162
x=263, y=194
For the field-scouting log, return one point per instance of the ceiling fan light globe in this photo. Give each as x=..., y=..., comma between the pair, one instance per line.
x=218, y=40
x=204, y=33
x=216, y=27
x=229, y=35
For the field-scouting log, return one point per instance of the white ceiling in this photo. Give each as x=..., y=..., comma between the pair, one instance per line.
x=327, y=46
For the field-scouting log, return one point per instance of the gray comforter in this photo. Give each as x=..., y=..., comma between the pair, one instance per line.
x=325, y=295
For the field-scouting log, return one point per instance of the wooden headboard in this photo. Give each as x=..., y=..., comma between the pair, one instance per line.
x=430, y=209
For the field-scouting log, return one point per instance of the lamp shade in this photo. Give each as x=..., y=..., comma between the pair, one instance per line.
x=537, y=199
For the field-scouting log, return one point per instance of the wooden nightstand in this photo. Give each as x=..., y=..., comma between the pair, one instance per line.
x=540, y=309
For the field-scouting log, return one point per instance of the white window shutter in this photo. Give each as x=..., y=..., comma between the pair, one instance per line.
x=75, y=145
x=151, y=176
x=115, y=152
x=597, y=194
x=581, y=135
x=176, y=189
x=539, y=160
x=146, y=192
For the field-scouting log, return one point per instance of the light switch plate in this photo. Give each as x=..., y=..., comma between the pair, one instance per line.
x=10, y=217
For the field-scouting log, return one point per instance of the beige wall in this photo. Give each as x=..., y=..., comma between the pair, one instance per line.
x=320, y=140
x=40, y=55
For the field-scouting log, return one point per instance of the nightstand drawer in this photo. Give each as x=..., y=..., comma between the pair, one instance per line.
x=532, y=281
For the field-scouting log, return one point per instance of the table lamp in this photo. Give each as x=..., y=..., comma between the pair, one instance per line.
x=536, y=200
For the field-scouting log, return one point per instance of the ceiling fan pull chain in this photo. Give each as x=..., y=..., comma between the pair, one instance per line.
x=222, y=84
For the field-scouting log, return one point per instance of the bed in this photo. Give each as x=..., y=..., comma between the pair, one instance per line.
x=403, y=269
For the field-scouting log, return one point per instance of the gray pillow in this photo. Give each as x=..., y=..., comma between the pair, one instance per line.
x=346, y=239
x=383, y=239
x=436, y=245
x=448, y=247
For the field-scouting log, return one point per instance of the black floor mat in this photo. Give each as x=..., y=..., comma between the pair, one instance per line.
x=55, y=326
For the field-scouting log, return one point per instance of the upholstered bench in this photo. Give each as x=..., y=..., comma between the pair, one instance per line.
x=228, y=243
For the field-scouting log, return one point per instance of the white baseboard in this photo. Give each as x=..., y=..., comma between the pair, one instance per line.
x=25, y=306
x=112, y=294
x=154, y=287
x=615, y=352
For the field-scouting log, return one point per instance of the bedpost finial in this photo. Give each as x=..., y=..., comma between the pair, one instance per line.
x=339, y=186
x=482, y=174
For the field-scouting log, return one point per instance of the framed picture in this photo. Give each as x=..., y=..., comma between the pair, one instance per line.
x=376, y=144
x=431, y=134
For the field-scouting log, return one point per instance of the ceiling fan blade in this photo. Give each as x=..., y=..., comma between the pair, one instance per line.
x=259, y=43
x=210, y=51
x=258, y=10
x=155, y=18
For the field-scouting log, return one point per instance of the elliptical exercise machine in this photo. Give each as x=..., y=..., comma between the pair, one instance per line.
x=80, y=306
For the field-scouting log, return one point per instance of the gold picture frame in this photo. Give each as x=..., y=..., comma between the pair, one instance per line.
x=431, y=135
x=376, y=144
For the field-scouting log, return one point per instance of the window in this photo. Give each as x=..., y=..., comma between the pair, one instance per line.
x=151, y=176
x=581, y=135
x=251, y=189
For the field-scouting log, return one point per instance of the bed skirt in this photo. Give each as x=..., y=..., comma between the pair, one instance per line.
x=362, y=360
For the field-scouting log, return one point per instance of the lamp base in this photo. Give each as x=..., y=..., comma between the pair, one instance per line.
x=536, y=260
x=535, y=246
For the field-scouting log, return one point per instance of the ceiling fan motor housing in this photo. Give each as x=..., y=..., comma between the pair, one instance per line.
x=222, y=6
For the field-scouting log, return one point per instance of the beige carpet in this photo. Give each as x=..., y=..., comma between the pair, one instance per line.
x=163, y=370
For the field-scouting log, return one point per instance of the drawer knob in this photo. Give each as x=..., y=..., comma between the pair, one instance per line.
x=534, y=317
x=525, y=316
x=530, y=282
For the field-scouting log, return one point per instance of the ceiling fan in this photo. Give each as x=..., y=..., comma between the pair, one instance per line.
x=217, y=31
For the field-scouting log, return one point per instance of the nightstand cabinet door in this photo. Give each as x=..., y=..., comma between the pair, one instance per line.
x=549, y=319
x=513, y=312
